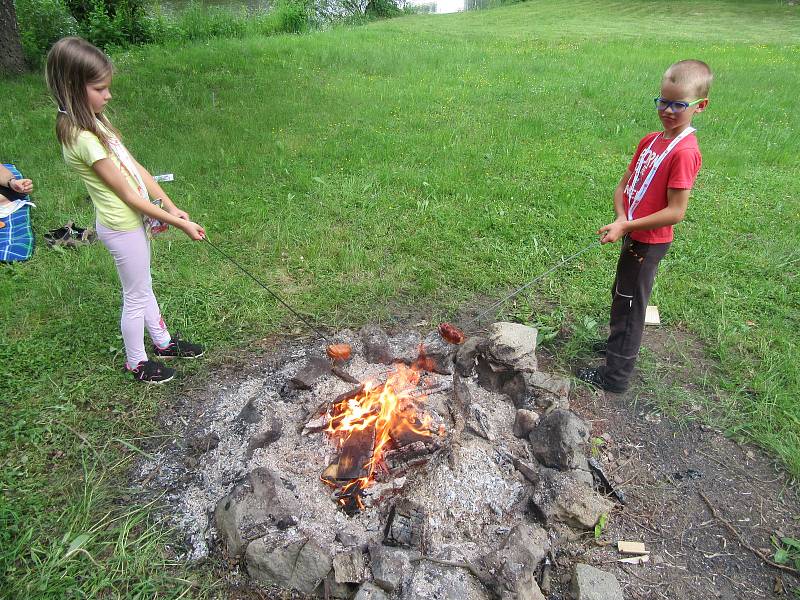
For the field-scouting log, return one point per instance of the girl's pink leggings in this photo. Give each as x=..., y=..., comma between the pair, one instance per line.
x=131, y=252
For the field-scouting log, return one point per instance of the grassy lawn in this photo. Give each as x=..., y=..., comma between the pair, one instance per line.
x=418, y=164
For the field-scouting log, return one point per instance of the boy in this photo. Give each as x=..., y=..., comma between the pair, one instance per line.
x=651, y=197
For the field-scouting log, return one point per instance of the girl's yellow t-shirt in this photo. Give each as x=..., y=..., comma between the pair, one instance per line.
x=111, y=210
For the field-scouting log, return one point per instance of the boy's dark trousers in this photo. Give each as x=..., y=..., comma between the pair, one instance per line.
x=636, y=272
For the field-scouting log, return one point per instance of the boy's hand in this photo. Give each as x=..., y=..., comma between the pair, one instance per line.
x=193, y=230
x=613, y=231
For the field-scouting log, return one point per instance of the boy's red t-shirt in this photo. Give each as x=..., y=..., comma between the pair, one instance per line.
x=678, y=170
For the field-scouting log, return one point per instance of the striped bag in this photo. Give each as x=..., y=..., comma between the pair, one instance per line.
x=16, y=235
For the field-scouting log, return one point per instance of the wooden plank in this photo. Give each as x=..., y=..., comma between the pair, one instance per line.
x=632, y=547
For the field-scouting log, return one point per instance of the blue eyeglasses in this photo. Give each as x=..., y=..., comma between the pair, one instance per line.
x=676, y=105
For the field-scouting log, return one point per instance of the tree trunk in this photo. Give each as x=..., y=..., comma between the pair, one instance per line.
x=12, y=58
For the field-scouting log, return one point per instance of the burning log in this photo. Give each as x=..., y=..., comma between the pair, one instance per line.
x=355, y=454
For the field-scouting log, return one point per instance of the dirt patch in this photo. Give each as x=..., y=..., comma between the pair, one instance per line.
x=666, y=468
x=663, y=466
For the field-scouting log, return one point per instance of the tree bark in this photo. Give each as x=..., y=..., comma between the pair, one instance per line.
x=12, y=58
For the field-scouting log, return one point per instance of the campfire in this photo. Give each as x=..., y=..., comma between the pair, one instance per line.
x=451, y=463
x=378, y=429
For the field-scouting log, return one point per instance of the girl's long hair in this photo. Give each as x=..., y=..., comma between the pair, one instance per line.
x=72, y=64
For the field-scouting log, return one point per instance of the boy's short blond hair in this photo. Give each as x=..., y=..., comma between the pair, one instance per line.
x=693, y=74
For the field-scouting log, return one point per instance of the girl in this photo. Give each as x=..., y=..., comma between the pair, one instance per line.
x=79, y=78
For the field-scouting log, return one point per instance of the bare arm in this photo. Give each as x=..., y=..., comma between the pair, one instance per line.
x=22, y=186
x=156, y=191
x=113, y=178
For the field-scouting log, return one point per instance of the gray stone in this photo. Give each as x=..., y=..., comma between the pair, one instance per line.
x=249, y=414
x=265, y=438
x=299, y=564
x=329, y=588
x=513, y=345
x=501, y=379
x=558, y=441
x=307, y=376
x=405, y=347
x=524, y=422
x=589, y=583
x=348, y=567
x=562, y=497
x=467, y=354
x=530, y=591
x=514, y=564
x=432, y=581
x=558, y=386
x=370, y=591
x=253, y=507
x=389, y=565
x=376, y=345
x=436, y=355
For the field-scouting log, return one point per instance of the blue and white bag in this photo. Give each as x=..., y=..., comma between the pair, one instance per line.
x=16, y=235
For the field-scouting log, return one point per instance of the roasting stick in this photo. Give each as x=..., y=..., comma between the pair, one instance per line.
x=334, y=351
x=499, y=303
x=455, y=335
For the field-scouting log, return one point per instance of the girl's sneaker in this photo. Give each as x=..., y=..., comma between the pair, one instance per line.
x=151, y=371
x=178, y=348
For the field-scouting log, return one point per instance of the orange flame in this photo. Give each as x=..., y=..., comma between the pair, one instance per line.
x=391, y=409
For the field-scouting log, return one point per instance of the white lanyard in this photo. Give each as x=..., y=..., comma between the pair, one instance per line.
x=638, y=195
x=126, y=162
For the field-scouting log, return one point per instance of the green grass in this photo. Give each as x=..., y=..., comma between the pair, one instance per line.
x=411, y=165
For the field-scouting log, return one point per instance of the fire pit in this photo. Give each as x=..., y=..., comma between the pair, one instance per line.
x=417, y=466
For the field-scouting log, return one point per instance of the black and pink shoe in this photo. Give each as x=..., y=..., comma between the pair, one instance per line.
x=178, y=348
x=151, y=371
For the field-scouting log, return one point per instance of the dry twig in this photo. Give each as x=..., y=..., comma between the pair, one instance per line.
x=741, y=540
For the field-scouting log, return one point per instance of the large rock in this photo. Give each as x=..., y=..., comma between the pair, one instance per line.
x=253, y=507
x=348, y=567
x=330, y=588
x=389, y=566
x=502, y=379
x=299, y=564
x=589, y=583
x=431, y=581
x=513, y=345
x=376, y=345
x=370, y=591
x=467, y=353
x=519, y=556
x=564, y=497
x=558, y=441
x=436, y=355
x=549, y=384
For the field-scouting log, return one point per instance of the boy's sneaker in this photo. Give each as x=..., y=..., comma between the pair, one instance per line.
x=151, y=371
x=595, y=378
x=178, y=348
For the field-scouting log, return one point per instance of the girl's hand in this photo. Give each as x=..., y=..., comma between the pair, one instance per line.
x=21, y=186
x=612, y=232
x=193, y=230
x=181, y=214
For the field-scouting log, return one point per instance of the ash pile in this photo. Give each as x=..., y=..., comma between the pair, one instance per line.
x=471, y=503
